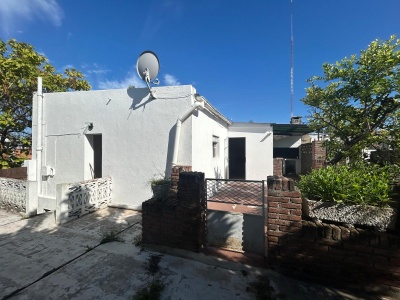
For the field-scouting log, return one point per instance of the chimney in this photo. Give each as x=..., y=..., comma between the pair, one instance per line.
x=295, y=120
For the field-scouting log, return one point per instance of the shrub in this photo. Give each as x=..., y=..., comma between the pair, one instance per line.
x=361, y=183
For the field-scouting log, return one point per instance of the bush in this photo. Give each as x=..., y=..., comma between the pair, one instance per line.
x=361, y=183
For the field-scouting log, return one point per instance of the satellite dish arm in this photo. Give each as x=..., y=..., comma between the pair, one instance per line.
x=146, y=74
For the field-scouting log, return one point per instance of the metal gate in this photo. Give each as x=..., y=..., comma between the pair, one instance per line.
x=236, y=214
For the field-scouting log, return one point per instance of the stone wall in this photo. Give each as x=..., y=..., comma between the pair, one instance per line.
x=179, y=221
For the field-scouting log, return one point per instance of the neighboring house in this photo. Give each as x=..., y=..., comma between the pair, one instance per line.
x=133, y=138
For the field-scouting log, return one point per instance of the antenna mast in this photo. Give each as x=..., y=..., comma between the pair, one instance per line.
x=291, y=58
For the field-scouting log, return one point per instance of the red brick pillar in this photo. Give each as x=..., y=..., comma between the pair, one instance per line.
x=278, y=166
x=318, y=155
x=191, y=210
x=284, y=211
x=176, y=170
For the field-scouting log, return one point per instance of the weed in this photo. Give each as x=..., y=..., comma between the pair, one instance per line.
x=150, y=292
x=152, y=265
x=110, y=236
x=89, y=248
x=262, y=288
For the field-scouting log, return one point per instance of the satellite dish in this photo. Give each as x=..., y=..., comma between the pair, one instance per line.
x=147, y=67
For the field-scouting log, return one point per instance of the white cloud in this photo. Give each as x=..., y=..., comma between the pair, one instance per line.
x=13, y=13
x=129, y=80
x=67, y=67
x=171, y=80
x=97, y=69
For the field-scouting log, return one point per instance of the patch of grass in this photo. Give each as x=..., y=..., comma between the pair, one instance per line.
x=262, y=288
x=150, y=292
x=110, y=236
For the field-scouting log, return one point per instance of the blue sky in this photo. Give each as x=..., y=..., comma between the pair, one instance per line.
x=235, y=53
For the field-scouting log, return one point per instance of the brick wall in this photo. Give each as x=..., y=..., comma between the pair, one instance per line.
x=278, y=166
x=326, y=252
x=178, y=221
x=313, y=156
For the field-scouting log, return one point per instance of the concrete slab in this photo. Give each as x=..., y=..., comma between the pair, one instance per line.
x=30, y=248
x=40, y=260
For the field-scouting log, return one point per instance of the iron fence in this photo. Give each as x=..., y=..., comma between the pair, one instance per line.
x=233, y=191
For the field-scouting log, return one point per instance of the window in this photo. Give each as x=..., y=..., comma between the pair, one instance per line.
x=215, y=146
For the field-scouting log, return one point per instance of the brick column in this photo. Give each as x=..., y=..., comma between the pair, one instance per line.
x=278, y=166
x=318, y=155
x=176, y=170
x=284, y=210
x=191, y=210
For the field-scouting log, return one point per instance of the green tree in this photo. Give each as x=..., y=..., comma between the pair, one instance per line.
x=20, y=65
x=356, y=101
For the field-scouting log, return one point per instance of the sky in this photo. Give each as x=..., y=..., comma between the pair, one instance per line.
x=235, y=53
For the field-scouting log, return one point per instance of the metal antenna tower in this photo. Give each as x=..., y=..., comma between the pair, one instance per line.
x=291, y=58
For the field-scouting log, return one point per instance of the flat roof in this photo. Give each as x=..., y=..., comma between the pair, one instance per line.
x=291, y=129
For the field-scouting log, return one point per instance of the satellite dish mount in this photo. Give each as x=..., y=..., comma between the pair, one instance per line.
x=147, y=67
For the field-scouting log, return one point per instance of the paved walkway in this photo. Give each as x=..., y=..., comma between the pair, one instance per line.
x=39, y=260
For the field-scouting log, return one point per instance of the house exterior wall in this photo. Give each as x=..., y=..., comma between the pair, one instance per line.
x=205, y=127
x=137, y=137
x=288, y=142
x=259, y=148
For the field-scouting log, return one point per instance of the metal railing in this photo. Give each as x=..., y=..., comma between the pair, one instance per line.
x=233, y=191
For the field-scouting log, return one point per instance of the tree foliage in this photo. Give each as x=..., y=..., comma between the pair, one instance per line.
x=20, y=65
x=356, y=101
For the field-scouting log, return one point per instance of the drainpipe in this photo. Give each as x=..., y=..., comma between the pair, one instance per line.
x=39, y=146
x=199, y=104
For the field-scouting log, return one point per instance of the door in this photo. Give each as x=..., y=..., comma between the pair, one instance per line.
x=237, y=158
x=97, y=156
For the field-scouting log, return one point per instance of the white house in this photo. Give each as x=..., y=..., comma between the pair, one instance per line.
x=132, y=137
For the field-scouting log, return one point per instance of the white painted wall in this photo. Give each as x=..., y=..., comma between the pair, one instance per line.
x=288, y=142
x=137, y=135
x=259, y=148
x=205, y=126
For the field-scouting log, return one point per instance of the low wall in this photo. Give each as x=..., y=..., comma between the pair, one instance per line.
x=13, y=194
x=178, y=221
x=15, y=173
x=326, y=252
x=77, y=199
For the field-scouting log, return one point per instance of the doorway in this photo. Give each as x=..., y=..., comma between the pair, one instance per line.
x=237, y=158
x=95, y=155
